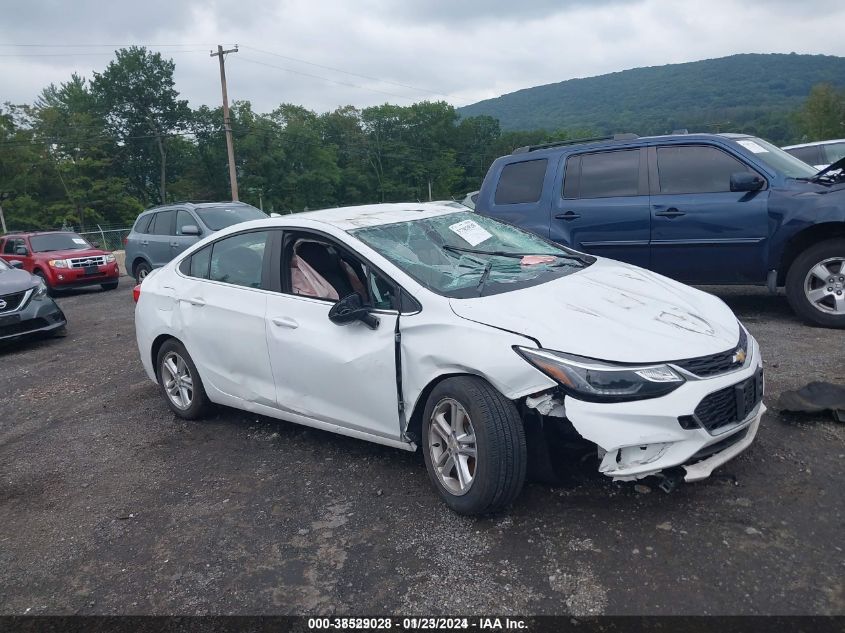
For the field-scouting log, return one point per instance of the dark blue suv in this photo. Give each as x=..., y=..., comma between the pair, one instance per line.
x=700, y=208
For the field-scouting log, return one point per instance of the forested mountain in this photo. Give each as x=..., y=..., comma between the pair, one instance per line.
x=753, y=93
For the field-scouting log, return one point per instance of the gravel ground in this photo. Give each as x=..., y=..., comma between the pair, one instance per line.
x=111, y=505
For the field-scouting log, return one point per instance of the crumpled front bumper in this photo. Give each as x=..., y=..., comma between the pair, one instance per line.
x=643, y=438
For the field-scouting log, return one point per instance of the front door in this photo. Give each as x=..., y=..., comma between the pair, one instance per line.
x=181, y=242
x=340, y=374
x=603, y=207
x=701, y=231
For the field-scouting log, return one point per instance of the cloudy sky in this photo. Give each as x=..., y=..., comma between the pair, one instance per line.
x=327, y=53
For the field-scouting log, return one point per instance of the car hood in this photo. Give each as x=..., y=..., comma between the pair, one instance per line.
x=72, y=254
x=611, y=311
x=15, y=280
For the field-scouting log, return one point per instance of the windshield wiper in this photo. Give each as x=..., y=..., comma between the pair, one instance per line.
x=458, y=249
x=483, y=280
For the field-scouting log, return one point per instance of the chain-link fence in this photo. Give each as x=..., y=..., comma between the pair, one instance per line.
x=110, y=240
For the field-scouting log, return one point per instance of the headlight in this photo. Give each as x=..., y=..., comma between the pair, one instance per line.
x=109, y=258
x=58, y=263
x=40, y=289
x=598, y=381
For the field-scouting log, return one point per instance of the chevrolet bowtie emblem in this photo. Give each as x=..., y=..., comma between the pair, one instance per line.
x=739, y=357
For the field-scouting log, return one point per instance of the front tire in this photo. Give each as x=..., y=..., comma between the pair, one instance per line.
x=815, y=284
x=50, y=291
x=180, y=381
x=473, y=445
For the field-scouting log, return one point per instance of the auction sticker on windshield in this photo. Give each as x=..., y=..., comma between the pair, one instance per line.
x=472, y=233
x=78, y=240
x=752, y=146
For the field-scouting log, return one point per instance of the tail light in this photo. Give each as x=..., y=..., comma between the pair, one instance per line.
x=136, y=293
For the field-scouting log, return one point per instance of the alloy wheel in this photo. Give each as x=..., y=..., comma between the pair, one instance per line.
x=824, y=286
x=177, y=380
x=452, y=447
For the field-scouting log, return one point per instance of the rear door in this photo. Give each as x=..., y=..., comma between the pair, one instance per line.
x=160, y=238
x=519, y=197
x=603, y=205
x=701, y=231
x=222, y=301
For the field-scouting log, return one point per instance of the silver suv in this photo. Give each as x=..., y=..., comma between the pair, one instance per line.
x=161, y=233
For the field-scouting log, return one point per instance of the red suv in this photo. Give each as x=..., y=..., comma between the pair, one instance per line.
x=61, y=258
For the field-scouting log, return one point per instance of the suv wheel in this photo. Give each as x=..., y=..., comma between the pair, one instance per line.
x=141, y=271
x=815, y=284
x=473, y=445
x=43, y=277
x=180, y=381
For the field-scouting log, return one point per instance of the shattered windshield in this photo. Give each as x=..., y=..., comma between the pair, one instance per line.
x=464, y=255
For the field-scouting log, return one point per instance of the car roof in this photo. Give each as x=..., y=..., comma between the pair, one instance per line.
x=195, y=204
x=348, y=218
x=33, y=233
x=814, y=143
x=621, y=141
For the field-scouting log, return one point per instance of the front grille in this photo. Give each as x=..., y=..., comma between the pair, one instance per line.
x=12, y=301
x=83, y=262
x=723, y=362
x=731, y=404
x=22, y=327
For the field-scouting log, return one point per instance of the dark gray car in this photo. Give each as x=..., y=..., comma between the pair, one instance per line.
x=25, y=307
x=161, y=233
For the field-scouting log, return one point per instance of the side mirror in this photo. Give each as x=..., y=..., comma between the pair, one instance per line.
x=21, y=250
x=746, y=181
x=351, y=308
x=190, y=229
x=16, y=264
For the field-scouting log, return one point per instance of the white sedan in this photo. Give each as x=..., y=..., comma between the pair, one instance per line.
x=421, y=325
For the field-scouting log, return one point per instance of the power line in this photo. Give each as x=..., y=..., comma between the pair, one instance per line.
x=354, y=74
x=334, y=81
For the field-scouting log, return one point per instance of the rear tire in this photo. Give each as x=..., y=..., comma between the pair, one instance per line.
x=109, y=286
x=474, y=446
x=142, y=269
x=180, y=381
x=815, y=284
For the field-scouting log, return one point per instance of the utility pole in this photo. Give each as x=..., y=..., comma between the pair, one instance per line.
x=227, y=123
x=3, y=197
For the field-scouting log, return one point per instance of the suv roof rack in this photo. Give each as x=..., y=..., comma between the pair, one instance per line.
x=575, y=141
x=170, y=204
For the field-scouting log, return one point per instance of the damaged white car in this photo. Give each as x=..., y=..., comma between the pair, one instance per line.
x=420, y=325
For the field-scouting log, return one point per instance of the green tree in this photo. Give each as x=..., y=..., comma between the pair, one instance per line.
x=137, y=98
x=823, y=115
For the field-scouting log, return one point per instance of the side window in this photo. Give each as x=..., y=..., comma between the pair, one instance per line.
x=521, y=182
x=603, y=175
x=183, y=218
x=238, y=259
x=810, y=155
x=833, y=152
x=320, y=269
x=162, y=223
x=9, y=247
x=143, y=223
x=197, y=264
x=695, y=169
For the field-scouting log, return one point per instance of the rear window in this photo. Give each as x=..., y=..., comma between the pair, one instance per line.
x=143, y=223
x=162, y=223
x=216, y=218
x=810, y=155
x=521, y=182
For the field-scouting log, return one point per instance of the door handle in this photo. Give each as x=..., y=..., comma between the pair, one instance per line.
x=568, y=216
x=195, y=301
x=174, y=243
x=144, y=243
x=285, y=322
x=670, y=213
